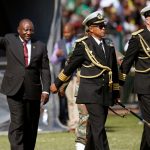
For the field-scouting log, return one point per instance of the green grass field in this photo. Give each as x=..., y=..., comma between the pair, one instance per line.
x=123, y=134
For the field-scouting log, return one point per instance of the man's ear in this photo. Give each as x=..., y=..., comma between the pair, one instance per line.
x=18, y=30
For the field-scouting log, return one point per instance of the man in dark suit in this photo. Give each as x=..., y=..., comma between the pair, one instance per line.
x=138, y=53
x=26, y=84
x=99, y=87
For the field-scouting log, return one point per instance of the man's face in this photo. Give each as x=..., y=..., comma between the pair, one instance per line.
x=26, y=30
x=68, y=32
x=148, y=20
x=98, y=30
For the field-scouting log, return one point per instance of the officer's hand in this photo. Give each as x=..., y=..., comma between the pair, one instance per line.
x=53, y=88
x=61, y=91
x=117, y=100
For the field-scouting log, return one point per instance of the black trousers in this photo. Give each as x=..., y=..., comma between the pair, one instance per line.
x=24, y=115
x=144, y=102
x=96, y=134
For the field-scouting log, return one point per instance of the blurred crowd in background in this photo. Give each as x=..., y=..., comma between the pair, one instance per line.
x=123, y=16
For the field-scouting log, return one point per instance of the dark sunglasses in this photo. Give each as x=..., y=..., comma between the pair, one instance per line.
x=100, y=26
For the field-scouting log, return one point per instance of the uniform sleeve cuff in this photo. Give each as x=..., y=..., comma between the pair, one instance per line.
x=63, y=77
x=122, y=76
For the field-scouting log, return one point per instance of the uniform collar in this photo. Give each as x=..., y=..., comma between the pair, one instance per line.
x=97, y=40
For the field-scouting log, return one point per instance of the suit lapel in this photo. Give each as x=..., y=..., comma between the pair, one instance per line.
x=107, y=51
x=18, y=51
x=33, y=47
x=100, y=50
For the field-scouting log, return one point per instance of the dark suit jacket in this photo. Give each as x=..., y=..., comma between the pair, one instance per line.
x=132, y=57
x=34, y=78
x=92, y=90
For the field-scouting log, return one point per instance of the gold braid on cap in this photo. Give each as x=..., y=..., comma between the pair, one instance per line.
x=96, y=63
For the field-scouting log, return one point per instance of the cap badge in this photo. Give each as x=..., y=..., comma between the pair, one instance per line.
x=99, y=16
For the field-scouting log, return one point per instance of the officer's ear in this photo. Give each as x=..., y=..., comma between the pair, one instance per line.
x=90, y=29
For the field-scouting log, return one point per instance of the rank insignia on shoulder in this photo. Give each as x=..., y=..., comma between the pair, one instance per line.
x=137, y=32
x=81, y=39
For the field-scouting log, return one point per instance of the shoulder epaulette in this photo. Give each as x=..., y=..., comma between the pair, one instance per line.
x=81, y=39
x=137, y=32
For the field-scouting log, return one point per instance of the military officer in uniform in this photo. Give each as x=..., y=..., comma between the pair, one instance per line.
x=99, y=87
x=138, y=53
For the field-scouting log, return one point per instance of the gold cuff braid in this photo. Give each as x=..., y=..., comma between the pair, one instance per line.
x=63, y=77
x=122, y=76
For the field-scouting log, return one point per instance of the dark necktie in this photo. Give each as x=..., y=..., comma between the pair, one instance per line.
x=102, y=49
x=25, y=53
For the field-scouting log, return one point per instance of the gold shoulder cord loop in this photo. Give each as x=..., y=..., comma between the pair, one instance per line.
x=146, y=49
x=95, y=62
x=93, y=59
x=144, y=45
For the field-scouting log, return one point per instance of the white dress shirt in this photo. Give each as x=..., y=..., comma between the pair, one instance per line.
x=29, y=49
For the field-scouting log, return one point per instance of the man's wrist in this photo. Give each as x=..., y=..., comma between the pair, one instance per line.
x=45, y=92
